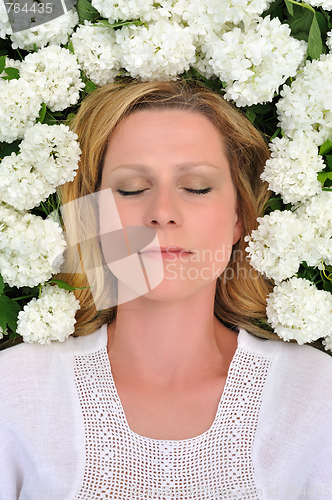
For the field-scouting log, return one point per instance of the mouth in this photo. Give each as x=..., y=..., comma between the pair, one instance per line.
x=169, y=249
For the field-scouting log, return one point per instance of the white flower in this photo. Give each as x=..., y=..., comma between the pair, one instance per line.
x=51, y=317
x=5, y=28
x=97, y=52
x=326, y=5
x=54, y=73
x=213, y=16
x=29, y=247
x=329, y=40
x=48, y=157
x=54, y=32
x=19, y=108
x=280, y=244
x=124, y=10
x=296, y=309
x=318, y=212
x=159, y=52
x=292, y=169
x=327, y=342
x=2, y=333
x=11, y=63
x=306, y=106
x=256, y=61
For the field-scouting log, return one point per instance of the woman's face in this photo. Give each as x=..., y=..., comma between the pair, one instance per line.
x=168, y=171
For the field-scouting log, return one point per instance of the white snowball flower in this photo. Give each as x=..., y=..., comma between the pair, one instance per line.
x=329, y=40
x=292, y=169
x=29, y=247
x=51, y=317
x=256, y=61
x=306, y=106
x=97, y=52
x=318, y=212
x=54, y=32
x=48, y=157
x=2, y=333
x=207, y=16
x=157, y=52
x=325, y=4
x=55, y=74
x=296, y=309
x=124, y=10
x=19, y=108
x=5, y=28
x=327, y=342
x=280, y=244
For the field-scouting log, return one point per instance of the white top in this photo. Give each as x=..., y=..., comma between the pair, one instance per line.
x=64, y=434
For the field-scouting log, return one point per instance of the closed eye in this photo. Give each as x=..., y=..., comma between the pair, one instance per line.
x=193, y=191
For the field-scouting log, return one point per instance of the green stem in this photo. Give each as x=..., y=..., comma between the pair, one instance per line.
x=304, y=5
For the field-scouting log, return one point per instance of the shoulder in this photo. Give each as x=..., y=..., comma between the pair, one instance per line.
x=296, y=372
x=30, y=364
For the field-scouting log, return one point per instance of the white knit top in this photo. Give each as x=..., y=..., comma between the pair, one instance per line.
x=64, y=434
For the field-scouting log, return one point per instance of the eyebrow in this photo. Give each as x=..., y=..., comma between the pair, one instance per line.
x=181, y=167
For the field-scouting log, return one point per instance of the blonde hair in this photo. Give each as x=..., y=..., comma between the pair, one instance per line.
x=239, y=299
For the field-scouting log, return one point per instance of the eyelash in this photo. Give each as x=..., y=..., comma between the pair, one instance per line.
x=193, y=191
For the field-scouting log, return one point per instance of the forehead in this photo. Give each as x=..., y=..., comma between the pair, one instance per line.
x=166, y=132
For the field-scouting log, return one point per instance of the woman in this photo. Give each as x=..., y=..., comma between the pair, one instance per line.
x=172, y=394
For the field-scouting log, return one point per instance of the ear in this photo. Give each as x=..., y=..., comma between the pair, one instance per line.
x=238, y=227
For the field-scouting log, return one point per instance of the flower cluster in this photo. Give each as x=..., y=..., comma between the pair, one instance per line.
x=158, y=52
x=255, y=62
x=292, y=169
x=54, y=32
x=50, y=317
x=19, y=108
x=55, y=74
x=303, y=110
x=297, y=310
x=48, y=157
x=97, y=52
x=29, y=247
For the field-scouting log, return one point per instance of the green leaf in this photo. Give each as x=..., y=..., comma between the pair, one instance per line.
x=2, y=284
x=290, y=7
x=322, y=23
x=323, y=176
x=315, y=45
x=2, y=63
x=276, y=133
x=89, y=85
x=301, y=35
x=9, y=310
x=301, y=21
x=71, y=47
x=42, y=113
x=12, y=74
x=328, y=160
x=326, y=147
x=70, y=118
x=251, y=115
x=119, y=24
x=65, y=286
x=62, y=284
x=49, y=118
x=85, y=11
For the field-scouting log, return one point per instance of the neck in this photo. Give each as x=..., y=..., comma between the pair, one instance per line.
x=170, y=342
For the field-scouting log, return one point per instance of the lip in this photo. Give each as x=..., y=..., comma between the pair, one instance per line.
x=169, y=249
x=171, y=252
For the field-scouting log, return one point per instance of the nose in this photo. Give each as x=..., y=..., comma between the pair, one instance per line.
x=164, y=209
